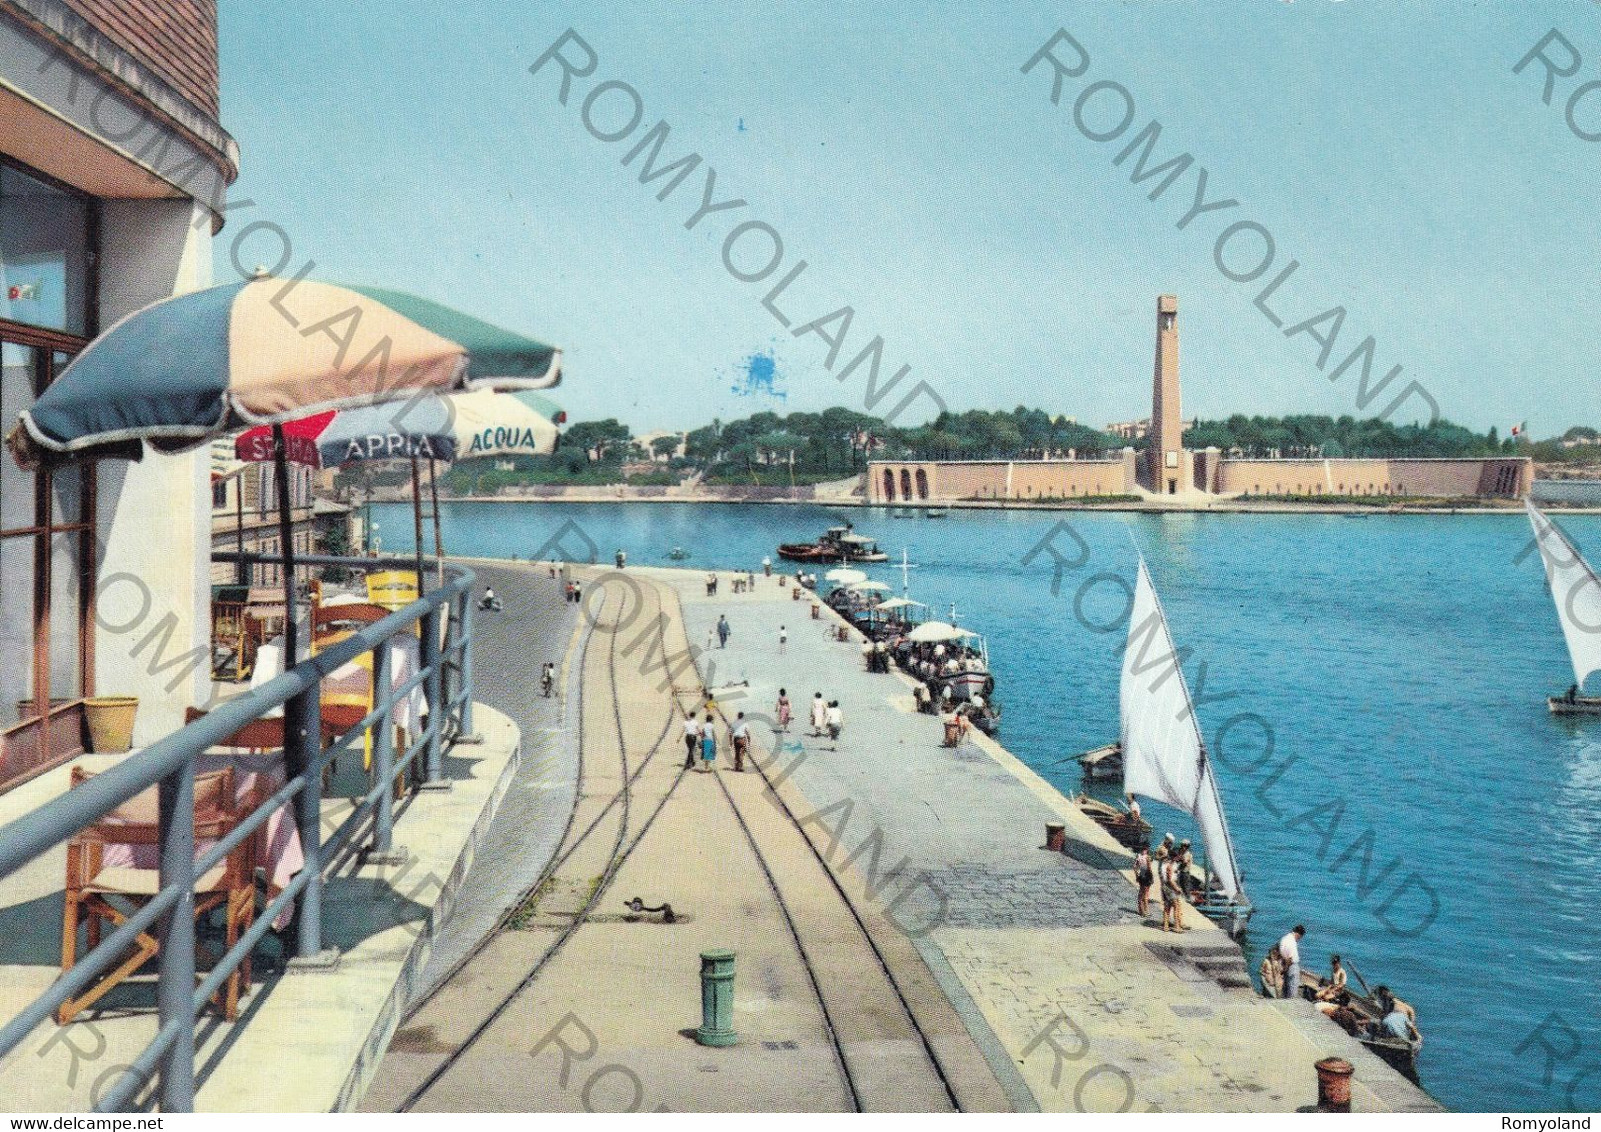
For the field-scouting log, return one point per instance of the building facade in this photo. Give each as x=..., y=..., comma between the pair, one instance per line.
x=113, y=169
x=1167, y=469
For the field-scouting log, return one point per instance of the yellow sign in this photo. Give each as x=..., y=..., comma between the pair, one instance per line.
x=392, y=589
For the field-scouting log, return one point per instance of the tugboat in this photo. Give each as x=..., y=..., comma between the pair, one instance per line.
x=837, y=544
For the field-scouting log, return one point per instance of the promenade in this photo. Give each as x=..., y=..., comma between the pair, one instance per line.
x=903, y=940
x=1076, y=1003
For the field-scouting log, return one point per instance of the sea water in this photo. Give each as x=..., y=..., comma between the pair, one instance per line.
x=1372, y=691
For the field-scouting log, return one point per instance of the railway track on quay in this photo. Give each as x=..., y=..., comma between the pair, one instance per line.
x=862, y=1007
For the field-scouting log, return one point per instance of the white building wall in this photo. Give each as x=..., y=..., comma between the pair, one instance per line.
x=153, y=629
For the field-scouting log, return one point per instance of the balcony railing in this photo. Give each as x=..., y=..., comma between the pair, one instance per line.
x=444, y=671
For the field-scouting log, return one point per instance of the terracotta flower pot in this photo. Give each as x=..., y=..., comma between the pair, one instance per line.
x=110, y=720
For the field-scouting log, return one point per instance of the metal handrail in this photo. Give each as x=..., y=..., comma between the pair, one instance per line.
x=169, y=766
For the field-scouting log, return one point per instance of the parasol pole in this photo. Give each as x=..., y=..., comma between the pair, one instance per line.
x=286, y=536
x=416, y=518
x=439, y=538
x=241, y=571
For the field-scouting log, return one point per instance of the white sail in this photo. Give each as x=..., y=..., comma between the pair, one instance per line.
x=1576, y=591
x=1164, y=757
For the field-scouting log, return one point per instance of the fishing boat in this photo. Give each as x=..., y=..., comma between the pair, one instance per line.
x=1401, y=1054
x=1164, y=755
x=934, y=512
x=960, y=664
x=1576, y=592
x=1103, y=764
x=837, y=544
x=1131, y=832
x=677, y=554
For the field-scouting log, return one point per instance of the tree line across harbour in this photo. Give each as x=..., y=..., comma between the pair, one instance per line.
x=802, y=448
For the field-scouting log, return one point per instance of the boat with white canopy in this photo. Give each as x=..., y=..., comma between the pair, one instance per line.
x=1576, y=592
x=1164, y=755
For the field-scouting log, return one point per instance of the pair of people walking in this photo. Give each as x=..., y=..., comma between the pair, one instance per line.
x=827, y=717
x=700, y=738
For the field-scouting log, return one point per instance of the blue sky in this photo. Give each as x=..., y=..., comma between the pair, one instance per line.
x=934, y=188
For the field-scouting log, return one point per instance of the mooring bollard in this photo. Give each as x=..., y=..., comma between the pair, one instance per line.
x=1334, y=1084
x=1055, y=836
x=716, y=999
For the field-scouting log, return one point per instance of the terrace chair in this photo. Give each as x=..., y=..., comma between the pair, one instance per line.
x=98, y=895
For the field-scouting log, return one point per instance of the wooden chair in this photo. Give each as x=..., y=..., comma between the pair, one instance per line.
x=97, y=895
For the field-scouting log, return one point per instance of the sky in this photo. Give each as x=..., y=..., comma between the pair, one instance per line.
x=930, y=185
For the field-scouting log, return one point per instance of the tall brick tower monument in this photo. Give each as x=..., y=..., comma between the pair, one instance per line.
x=1168, y=469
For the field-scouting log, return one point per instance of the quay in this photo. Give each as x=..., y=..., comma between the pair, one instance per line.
x=903, y=940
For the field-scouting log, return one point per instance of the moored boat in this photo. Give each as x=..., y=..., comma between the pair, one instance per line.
x=1131, y=832
x=1576, y=592
x=1103, y=764
x=837, y=544
x=1401, y=1054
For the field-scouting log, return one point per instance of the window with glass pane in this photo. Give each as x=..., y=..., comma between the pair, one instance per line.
x=18, y=376
x=45, y=240
x=16, y=630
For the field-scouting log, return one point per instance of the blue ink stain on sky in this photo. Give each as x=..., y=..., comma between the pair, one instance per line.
x=758, y=376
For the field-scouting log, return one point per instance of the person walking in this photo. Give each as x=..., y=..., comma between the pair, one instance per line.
x=691, y=739
x=767, y=567
x=783, y=710
x=547, y=678
x=711, y=637
x=740, y=734
x=578, y=592
x=1143, y=878
x=1172, y=896
x=1290, y=953
x=708, y=745
x=819, y=713
x=783, y=637
x=722, y=632
x=835, y=718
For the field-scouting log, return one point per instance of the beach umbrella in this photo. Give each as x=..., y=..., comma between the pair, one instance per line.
x=431, y=427
x=264, y=351
x=932, y=632
x=868, y=585
x=844, y=575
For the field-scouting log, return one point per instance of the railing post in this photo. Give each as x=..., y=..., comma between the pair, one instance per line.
x=431, y=661
x=383, y=748
x=302, y=745
x=175, y=986
x=465, y=667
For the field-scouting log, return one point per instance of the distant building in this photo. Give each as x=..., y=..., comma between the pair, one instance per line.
x=648, y=441
x=1167, y=468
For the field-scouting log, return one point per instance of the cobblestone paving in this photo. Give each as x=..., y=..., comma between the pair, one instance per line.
x=1063, y=893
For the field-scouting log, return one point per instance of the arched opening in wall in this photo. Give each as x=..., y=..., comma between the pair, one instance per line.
x=1342, y=489
x=922, y=483
x=889, y=486
x=1400, y=489
x=906, y=484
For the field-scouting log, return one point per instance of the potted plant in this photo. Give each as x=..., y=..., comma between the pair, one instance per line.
x=110, y=721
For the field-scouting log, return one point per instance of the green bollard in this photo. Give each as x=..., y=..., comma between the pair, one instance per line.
x=716, y=999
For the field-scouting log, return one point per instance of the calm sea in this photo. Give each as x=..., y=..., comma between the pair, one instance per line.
x=1372, y=691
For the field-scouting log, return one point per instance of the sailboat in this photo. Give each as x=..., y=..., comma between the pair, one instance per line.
x=1164, y=755
x=1576, y=592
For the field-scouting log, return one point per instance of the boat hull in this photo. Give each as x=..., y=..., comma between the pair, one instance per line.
x=1399, y=1054
x=1120, y=824
x=1579, y=705
x=1103, y=764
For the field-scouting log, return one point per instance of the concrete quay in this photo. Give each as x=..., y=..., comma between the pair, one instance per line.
x=1075, y=1002
x=584, y=1005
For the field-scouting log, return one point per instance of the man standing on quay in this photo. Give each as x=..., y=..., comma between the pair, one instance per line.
x=722, y=632
x=1290, y=953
